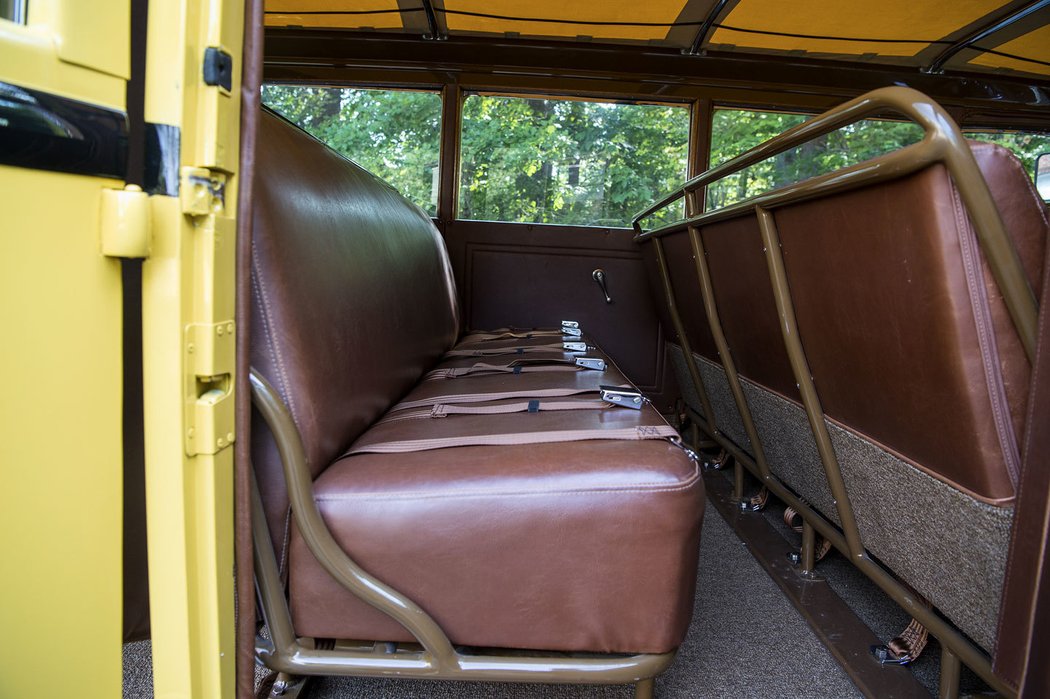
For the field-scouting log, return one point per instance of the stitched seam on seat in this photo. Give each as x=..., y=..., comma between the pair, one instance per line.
x=285, y=543
x=275, y=350
x=282, y=377
x=634, y=488
x=982, y=316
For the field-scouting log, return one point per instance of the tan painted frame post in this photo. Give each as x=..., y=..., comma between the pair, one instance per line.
x=707, y=291
x=437, y=659
x=804, y=379
x=709, y=425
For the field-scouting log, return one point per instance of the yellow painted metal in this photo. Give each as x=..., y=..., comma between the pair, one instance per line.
x=188, y=296
x=61, y=460
x=1034, y=44
x=60, y=439
x=888, y=19
x=30, y=54
x=653, y=11
x=80, y=29
x=290, y=8
x=124, y=222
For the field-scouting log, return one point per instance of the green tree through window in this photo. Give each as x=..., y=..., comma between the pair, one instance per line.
x=735, y=131
x=394, y=134
x=567, y=161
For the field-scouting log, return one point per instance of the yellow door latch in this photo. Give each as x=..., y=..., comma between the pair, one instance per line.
x=210, y=352
x=125, y=222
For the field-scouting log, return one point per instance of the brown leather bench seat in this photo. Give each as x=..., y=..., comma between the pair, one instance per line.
x=564, y=540
x=919, y=370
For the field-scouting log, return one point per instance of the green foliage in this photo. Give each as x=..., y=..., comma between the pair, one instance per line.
x=735, y=131
x=1026, y=146
x=394, y=134
x=567, y=162
x=576, y=162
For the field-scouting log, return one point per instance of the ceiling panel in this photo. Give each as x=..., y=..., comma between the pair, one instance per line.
x=652, y=11
x=916, y=20
x=299, y=13
x=1035, y=44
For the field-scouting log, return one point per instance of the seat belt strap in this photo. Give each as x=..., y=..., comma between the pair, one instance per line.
x=518, y=438
x=484, y=397
x=569, y=328
x=509, y=335
x=527, y=349
x=483, y=369
x=518, y=366
x=530, y=406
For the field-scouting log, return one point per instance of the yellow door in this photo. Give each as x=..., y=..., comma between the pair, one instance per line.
x=64, y=67
x=193, y=64
x=62, y=128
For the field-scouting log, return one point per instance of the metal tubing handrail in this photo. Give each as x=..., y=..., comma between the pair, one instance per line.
x=324, y=546
x=711, y=425
x=438, y=659
x=943, y=142
x=804, y=380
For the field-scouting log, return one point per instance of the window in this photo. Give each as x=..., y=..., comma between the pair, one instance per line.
x=1027, y=146
x=394, y=134
x=568, y=161
x=735, y=131
x=13, y=10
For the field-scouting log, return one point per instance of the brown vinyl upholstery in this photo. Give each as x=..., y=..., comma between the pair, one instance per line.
x=578, y=545
x=915, y=359
x=908, y=339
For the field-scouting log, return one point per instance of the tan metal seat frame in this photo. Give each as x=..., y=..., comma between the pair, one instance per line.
x=435, y=658
x=944, y=143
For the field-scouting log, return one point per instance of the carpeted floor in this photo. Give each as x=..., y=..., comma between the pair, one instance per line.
x=872, y=606
x=746, y=640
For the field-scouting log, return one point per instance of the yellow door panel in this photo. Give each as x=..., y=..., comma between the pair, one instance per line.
x=60, y=440
x=60, y=50
x=61, y=365
x=188, y=330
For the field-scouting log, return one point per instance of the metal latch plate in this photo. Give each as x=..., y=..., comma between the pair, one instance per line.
x=209, y=355
x=625, y=397
x=591, y=363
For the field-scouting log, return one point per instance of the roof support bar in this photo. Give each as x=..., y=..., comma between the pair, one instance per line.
x=432, y=22
x=705, y=28
x=984, y=32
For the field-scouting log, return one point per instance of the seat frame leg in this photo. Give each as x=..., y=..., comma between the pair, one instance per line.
x=644, y=689
x=738, y=482
x=950, y=674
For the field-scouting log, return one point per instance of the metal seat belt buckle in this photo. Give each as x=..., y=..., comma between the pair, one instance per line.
x=625, y=397
x=574, y=346
x=570, y=324
x=574, y=332
x=591, y=363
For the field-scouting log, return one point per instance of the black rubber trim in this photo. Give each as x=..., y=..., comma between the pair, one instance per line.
x=42, y=131
x=163, y=143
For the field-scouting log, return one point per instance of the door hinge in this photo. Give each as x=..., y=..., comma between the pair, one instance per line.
x=202, y=192
x=209, y=353
x=125, y=222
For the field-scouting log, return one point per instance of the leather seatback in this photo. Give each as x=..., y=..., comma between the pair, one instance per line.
x=345, y=315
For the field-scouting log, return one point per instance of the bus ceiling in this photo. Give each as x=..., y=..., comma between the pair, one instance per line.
x=975, y=54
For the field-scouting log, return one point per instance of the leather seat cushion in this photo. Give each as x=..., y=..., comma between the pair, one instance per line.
x=575, y=546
